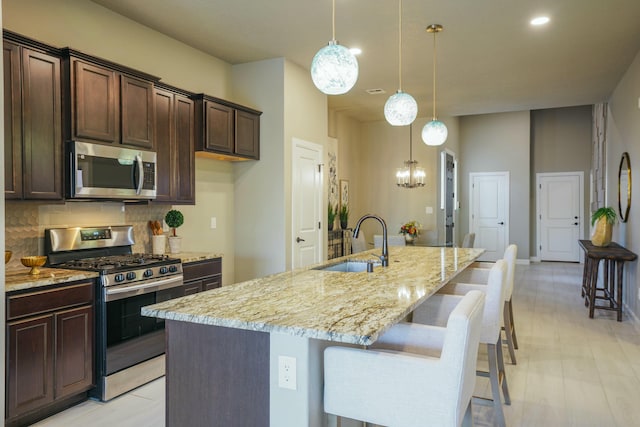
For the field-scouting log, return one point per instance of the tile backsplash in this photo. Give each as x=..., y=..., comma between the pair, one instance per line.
x=26, y=221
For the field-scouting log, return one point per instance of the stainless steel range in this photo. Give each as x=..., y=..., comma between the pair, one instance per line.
x=129, y=347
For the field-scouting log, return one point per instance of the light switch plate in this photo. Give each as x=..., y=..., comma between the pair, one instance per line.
x=214, y=223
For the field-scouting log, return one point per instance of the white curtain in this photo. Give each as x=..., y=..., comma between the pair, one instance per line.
x=598, y=154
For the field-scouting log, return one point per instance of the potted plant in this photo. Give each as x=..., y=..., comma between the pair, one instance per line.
x=344, y=216
x=603, y=219
x=174, y=219
x=411, y=230
x=331, y=214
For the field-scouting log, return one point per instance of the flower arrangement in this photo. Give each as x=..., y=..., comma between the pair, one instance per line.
x=411, y=228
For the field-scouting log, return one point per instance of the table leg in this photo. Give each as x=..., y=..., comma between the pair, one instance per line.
x=592, y=286
x=585, y=277
x=619, y=289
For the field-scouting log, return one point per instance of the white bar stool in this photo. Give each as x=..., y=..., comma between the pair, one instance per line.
x=402, y=389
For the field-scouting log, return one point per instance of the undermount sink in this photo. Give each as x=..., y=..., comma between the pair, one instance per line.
x=349, y=266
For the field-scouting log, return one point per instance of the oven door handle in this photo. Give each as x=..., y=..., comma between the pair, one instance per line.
x=119, y=292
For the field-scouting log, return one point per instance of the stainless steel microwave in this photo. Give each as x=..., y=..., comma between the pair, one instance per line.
x=106, y=172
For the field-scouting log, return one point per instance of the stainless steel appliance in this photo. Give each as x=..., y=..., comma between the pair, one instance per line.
x=129, y=347
x=107, y=172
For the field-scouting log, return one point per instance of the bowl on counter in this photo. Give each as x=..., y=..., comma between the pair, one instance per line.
x=34, y=262
x=7, y=256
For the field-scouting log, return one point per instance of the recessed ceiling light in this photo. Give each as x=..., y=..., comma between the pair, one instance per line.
x=540, y=20
x=355, y=50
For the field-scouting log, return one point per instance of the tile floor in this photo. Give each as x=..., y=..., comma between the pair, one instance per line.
x=571, y=371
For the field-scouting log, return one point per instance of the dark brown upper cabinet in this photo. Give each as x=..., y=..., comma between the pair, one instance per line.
x=33, y=120
x=226, y=130
x=174, y=145
x=108, y=103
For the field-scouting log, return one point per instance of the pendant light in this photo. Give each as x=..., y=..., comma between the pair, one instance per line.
x=334, y=69
x=434, y=132
x=400, y=109
x=411, y=175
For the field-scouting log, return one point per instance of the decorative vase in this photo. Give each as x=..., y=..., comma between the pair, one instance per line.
x=175, y=244
x=331, y=225
x=602, y=233
x=343, y=225
x=409, y=238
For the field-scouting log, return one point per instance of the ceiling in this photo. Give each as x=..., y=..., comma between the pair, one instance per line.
x=489, y=59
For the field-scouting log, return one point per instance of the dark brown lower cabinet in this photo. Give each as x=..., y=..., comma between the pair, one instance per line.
x=202, y=276
x=49, y=351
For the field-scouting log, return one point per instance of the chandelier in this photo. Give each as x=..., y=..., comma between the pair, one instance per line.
x=411, y=175
x=401, y=108
x=434, y=132
x=334, y=69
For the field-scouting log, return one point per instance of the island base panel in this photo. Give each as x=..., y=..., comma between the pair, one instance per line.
x=216, y=376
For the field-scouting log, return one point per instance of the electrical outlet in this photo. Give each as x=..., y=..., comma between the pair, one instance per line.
x=213, y=223
x=287, y=372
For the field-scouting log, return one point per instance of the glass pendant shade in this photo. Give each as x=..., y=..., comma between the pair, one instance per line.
x=434, y=133
x=334, y=69
x=401, y=109
x=411, y=175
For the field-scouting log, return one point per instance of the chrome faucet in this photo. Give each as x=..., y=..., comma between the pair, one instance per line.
x=385, y=245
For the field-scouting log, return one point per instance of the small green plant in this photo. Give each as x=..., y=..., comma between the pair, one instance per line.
x=344, y=214
x=174, y=219
x=331, y=215
x=608, y=212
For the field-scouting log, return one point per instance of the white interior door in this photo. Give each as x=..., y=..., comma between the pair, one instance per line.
x=489, y=213
x=559, y=201
x=306, y=200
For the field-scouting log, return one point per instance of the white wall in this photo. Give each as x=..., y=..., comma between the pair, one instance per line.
x=498, y=142
x=623, y=134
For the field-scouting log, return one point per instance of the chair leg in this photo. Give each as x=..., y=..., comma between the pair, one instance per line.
x=508, y=333
x=467, y=421
x=513, y=325
x=502, y=375
x=494, y=378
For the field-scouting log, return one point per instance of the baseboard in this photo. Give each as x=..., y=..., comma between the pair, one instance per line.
x=634, y=319
x=522, y=261
x=534, y=259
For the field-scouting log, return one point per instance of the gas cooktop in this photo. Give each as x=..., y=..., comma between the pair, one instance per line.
x=115, y=263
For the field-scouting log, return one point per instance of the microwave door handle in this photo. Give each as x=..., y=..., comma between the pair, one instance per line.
x=140, y=173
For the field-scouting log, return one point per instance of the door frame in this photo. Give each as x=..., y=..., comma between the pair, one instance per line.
x=539, y=214
x=443, y=191
x=507, y=192
x=322, y=206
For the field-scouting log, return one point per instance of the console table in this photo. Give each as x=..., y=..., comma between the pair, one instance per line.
x=613, y=257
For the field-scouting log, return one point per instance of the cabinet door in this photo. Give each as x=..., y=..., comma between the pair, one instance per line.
x=137, y=112
x=193, y=287
x=12, y=122
x=184, y=150
x=29, y=365
x=212, y=282
x=94, y=106
x=218, y=127
x=41, y=126
x=164, y=145
x=74, y=351
x=247, y=134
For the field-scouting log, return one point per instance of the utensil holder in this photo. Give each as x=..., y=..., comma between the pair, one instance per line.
x=159, y=243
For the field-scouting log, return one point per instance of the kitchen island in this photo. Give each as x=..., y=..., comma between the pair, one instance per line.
x=224, y=346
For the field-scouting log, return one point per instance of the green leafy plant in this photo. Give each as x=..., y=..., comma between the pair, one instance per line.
x=331, y=214
x=174, y=219
x=344, y=213
x=607, y=212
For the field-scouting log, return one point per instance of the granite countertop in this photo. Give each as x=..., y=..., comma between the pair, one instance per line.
x=186, y=257
x=19, y=279
x=344, y=307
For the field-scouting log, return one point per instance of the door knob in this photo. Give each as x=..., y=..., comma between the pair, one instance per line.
x=501, y=223
x=299, y=240
x=575, y=223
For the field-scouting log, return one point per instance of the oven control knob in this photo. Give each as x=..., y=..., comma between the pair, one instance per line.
x=148, y=273
x=131, y=275
x=173, y=268
x=119, y=277
x=163, y=270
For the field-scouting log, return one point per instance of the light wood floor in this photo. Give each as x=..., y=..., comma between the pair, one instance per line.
x=571, y=371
